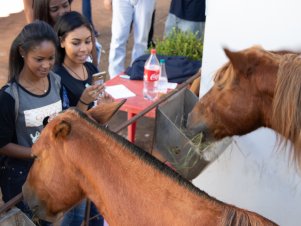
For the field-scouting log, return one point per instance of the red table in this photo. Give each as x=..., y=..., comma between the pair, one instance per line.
x=135, y=104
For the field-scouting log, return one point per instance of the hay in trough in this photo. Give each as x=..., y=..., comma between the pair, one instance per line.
x=190, y=159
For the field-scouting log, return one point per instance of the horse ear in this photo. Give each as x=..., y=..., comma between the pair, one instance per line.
x=103, y=112
x=62, y=129
x=244, y=62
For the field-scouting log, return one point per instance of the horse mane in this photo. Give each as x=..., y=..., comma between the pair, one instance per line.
x=224, y=76
x=238, y=217
x=286, y=117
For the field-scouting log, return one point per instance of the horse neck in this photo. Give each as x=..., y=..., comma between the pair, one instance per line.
x=123, y=184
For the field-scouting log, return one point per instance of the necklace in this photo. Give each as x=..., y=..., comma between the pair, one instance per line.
x=33, y=87
x=74, y=73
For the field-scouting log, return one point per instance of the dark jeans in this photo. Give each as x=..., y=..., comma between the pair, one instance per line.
x=11, y=180
x=97, y=219
x=86, y=9
x=76, y=215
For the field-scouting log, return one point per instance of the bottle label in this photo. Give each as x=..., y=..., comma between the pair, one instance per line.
x=151, y=75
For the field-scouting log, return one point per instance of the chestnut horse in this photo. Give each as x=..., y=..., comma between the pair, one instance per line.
x=256, y=88
x=76, y=158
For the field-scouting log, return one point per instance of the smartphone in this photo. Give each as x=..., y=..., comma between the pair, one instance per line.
x=99, y=78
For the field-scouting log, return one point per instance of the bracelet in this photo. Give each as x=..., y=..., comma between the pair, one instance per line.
x=32, y=156
x=83, y=102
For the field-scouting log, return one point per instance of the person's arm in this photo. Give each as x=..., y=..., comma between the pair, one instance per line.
x=28, y=10
x=7, y=129
x=107, y=4
x=16, y=151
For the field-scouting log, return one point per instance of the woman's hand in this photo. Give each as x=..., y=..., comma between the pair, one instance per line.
x=90, y=94
x=105, y=98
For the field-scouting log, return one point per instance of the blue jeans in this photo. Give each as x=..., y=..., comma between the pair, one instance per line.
x=173, y=21
x=75, y=216
x=124, y=13
x=86, y=8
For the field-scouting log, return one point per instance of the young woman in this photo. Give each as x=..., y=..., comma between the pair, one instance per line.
x=50, y=10
x=75, y=35
x=34, y=92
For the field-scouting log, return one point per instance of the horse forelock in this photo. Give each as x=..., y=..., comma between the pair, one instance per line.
x=286, y=117
x=225, y=76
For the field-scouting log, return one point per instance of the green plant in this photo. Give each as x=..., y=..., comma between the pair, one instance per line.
x=180, y=43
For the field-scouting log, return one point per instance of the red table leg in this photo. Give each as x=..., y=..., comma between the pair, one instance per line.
x=131, y=128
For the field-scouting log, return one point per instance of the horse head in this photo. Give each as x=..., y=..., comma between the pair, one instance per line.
x=241, y=97
x=49, y=151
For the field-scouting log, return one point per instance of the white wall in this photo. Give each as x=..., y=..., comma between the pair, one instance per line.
x=11, y=6
x=250, y=173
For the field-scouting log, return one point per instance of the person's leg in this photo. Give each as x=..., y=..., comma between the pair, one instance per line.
x=75, y=216
x=150, y=41
x=87, y=12
x=121, y=22
x=142, y=22
x=191, y=26
x=95, y=218
x=86, y=9
x=170, y=24
x=28, y=10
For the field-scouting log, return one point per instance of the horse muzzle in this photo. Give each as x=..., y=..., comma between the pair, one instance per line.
x=193, y=128
x=37, y=207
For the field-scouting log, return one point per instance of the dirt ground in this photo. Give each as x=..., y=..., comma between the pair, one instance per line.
x=10, y=26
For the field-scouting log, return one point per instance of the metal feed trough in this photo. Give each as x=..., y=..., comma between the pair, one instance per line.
x=15, y=217
x=170, y=139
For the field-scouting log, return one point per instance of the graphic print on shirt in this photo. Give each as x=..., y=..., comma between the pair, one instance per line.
x=34, y=117
x=35, y=137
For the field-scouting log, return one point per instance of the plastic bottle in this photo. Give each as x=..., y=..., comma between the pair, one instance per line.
x=151, y=76
x=162, y=82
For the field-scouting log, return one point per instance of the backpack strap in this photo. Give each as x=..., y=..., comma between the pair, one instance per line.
x=14, y=92
x=57, y=78
x=63, y=91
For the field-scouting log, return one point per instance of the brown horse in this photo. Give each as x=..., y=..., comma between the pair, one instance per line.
x=255, y=88
x=76, y=158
